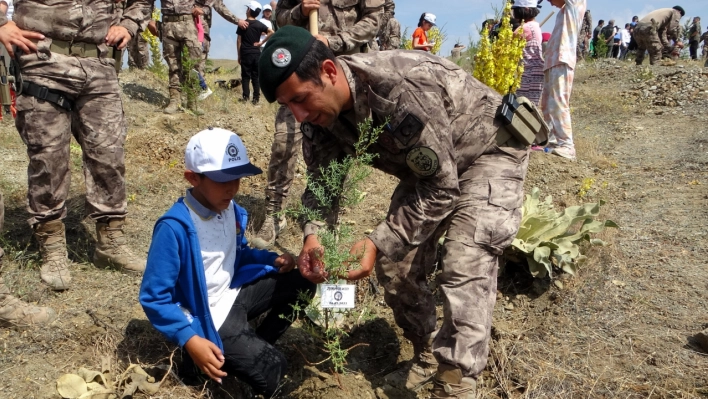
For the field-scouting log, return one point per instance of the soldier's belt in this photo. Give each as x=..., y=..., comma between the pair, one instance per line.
x=78, y=49
x=177, y=18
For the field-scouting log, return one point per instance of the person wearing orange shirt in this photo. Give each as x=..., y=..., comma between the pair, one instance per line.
x=420, y=38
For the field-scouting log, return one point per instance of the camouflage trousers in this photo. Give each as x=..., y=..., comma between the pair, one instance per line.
x=287, y=143
x=138, y=53
x=484, y=222
x=96, y=122
x=2, y=223
x=175, y=36
x=648, y=39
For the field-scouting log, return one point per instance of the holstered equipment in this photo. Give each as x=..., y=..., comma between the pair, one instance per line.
x=43, y=93
x=521, y=120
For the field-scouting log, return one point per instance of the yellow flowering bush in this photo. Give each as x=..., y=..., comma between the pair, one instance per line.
x=153, y=41
x=437, y=36
x=498, y=62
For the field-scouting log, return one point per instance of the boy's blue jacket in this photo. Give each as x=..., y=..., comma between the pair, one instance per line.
x=174, y=275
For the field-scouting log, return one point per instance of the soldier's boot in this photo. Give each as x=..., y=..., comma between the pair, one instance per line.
x=17, y=313
x=449, y=383
x=55, y=261
x=269, y=231
x=420, y=369
x=175, y=102
x=112, y=250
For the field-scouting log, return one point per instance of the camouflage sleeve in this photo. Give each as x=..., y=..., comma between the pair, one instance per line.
x=431, y=196
x=137, y=14
x=319, y=148
x=221, y=8
x=362, y=32
x=288, y=12
x=394, y=34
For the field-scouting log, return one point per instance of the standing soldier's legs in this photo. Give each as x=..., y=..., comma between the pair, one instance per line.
x=45, y=129
x=287, y=142
x=484, y=222
x=172, y=53
x=143, y=52
x=132, y=49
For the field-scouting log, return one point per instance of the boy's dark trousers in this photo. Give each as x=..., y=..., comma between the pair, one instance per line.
x=250, y=354
x=249, y=73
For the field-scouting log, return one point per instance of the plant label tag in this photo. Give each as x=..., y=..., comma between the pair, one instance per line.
x=338, y=295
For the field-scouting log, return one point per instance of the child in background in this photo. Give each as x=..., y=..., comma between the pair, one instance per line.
x=558, y=75
x=203, y=283
x=420, y=38
x=532, y=79
x=248, y=47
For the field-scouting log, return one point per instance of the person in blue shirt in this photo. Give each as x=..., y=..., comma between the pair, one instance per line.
x=203, y=283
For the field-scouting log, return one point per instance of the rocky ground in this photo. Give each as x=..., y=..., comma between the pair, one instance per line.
x=623, y=327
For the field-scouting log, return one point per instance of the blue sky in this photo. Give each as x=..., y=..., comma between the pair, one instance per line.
x=460, y=19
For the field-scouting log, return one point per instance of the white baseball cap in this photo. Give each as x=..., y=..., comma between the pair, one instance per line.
x=525, y=3
x=430, y=18
x=267, y=7
x=254, y=5
x=220, y=155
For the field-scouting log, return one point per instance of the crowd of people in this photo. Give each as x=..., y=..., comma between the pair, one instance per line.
x=461, y=169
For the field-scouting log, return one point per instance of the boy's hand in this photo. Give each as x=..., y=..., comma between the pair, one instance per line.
x=285, y=263
x=207, y=356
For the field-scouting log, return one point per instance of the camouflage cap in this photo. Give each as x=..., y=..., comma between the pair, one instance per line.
x=281, y=56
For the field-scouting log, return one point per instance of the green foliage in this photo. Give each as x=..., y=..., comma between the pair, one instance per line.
x=339, y=185
x=601, y=47
x=406, y=40
x=190, y=82
x=156, y=65
x=545, y=238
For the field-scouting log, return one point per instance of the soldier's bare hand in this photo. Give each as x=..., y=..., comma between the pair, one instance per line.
x=152, y=27
x=207, y=356
x=322, y=39
x=197, y=11
x=367, y=251
x=308, y=5
x=310, y=261
x=242, y=23
x=118, y=36
x=11, y=35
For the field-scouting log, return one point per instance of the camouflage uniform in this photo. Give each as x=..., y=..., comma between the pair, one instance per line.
x=219, y=7
x=653, y=33
x=583, y=36
x=391, y=37
x=454, y=177
x=138, y=53
x=348, y=25
x=178, y=31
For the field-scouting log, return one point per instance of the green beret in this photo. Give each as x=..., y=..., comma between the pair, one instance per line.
x=680, y=10
x=281, y=56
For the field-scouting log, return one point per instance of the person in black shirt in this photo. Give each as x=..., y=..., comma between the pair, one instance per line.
x=248, y=45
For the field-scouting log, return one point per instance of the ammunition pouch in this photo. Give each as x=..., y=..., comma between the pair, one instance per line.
x=522, y=121
x=43, y=93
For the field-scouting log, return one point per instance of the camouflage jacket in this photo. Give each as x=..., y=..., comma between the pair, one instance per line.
x=85, y=21
x=391, y=37
x=586, y=28
x=667, y=22
x=347, y=24
x=177, y=7
x=220, y=8
x=437, y=121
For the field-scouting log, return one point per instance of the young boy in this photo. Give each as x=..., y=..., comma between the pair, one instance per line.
x=203, y=283
x=248, y=46
x=560, y=58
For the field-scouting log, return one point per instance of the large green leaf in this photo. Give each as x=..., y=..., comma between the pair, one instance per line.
x=541, y=257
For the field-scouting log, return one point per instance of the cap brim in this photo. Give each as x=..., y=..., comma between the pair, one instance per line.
x=238, y=172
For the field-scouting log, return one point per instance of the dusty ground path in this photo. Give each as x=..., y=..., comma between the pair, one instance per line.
x=620, y=329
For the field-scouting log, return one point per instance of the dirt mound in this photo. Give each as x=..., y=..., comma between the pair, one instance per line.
x=674, y=89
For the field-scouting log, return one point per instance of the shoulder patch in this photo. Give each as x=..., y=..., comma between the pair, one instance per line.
x=408, y=128
x=423, y=161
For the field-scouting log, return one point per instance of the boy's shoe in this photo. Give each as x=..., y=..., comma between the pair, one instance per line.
x=243, y=100
x=565, y=152
x=536, y=148
x=255, y=101
x=205, y=93
x=272, y=226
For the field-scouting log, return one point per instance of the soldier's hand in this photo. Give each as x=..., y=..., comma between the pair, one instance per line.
x=308, y=5
x=152, y=27
x=11, y=35
x=367, y=250
x=310, y=261
x=118, y=36
x=197, y=11
x=242, y=23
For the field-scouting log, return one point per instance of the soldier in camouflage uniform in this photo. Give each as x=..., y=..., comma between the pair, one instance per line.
x=219, y=7
x=138, y=53
x=654, y=32
x=584, y=36
x=71, y=88
x=390, y=38
x=456, y=176
x=347, y=27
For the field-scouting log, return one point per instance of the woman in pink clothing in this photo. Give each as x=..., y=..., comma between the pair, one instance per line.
x=532, y=79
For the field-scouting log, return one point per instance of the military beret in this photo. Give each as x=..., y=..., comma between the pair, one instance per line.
x=680, y=9
x=281, y=56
